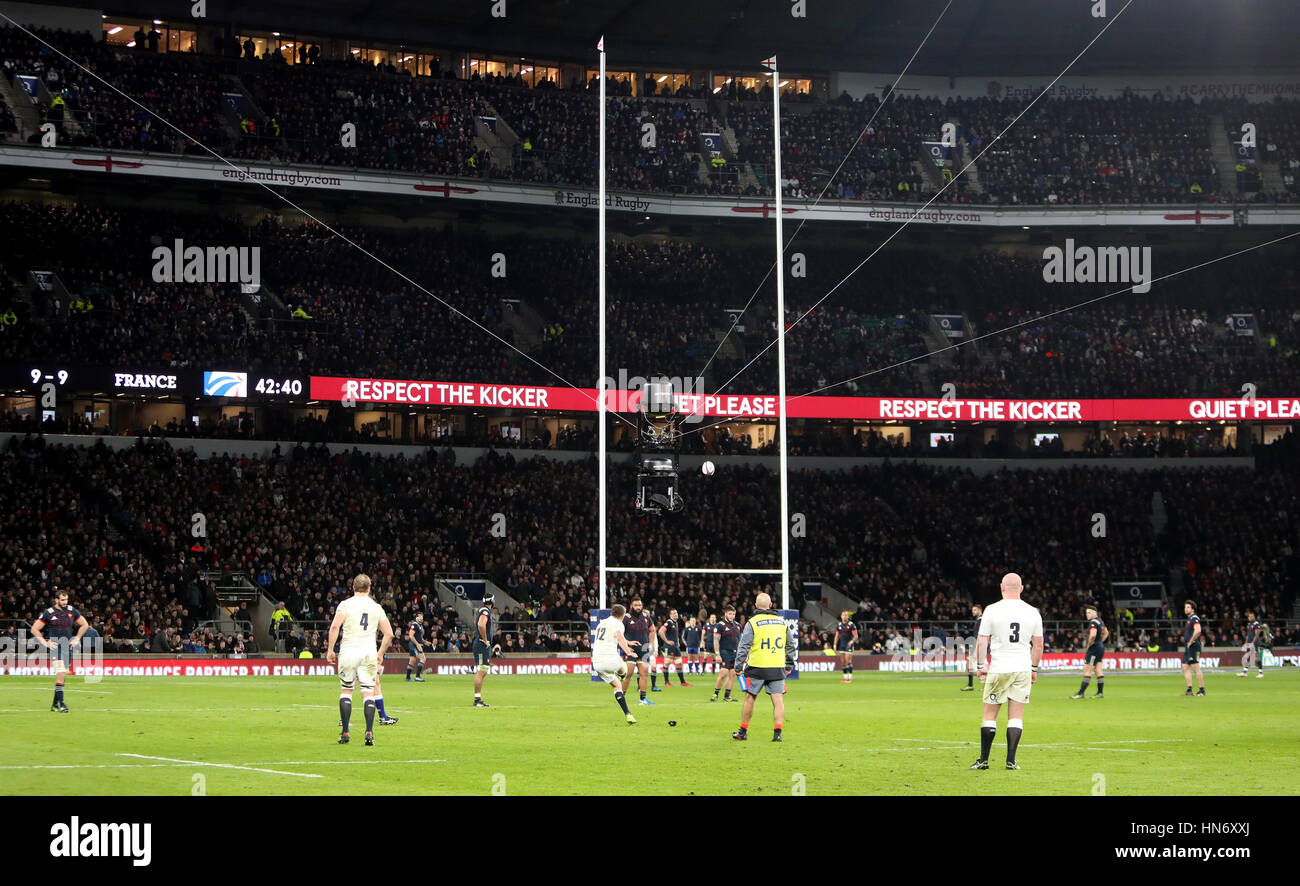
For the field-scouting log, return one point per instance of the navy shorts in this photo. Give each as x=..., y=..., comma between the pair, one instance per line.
x=413, y=649
x=692, y=650
x=672, y=651
x=846, y=646
x=1192, y=655
x=729, y=659
x=1096, y=652
x=640, y=654
x=482, y=654
x=62, y=651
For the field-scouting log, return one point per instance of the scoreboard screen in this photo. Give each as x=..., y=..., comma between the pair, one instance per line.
x=186, y=383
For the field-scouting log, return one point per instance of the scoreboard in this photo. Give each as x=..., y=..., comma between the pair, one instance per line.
x=181, y=383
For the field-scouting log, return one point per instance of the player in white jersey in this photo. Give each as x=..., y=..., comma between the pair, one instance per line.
x=1007, y=654
x=606, y=662
x=357, y=617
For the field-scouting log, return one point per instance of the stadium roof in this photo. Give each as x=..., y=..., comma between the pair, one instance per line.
x=975, y=37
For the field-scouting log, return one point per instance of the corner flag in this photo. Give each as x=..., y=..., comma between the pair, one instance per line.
x=770, y=63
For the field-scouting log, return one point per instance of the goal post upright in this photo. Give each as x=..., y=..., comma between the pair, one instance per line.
x=602, y=375
x=783, y=447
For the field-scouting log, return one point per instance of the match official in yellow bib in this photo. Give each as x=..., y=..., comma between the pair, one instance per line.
x=767, y=653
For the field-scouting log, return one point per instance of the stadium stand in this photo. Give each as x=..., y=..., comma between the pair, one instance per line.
x=1113, y=151
x=668, y=316
x=110, y=526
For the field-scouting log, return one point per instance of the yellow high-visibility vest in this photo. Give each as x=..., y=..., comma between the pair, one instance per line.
x=770, y=632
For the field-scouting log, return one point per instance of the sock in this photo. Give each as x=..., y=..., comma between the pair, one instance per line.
x=345, y=710
x=477, y=696
x=970, y=680
x=744, y=727
x=1014, y=728
x=370, y=715
x=653, y=679
x=622, y=701
x=849, y=671
x=1101, y=685
x=988, y=729
x=727, y=694
x=379, y=706
x=58, y=694
x=681, y=676
x=776, y=729
x=419, y=670
x=1083, y=687
x=643, y=695
x=408, y=672
x=716, y=690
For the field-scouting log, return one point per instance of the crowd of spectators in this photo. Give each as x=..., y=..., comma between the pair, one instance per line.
x=87, y=112
x=1277, y=136
x=407, y=124
x=1122, y=150
x=1176, y=341
x=911, y=544
x=839, y=152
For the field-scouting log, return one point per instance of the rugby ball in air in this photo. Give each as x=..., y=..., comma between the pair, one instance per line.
x=707, y=469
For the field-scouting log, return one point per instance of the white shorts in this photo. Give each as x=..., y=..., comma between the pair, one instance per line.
x=608, y=668
x=1007, y=687
x=358, y=665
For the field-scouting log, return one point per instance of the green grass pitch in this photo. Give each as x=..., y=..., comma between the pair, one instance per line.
x=884, y=734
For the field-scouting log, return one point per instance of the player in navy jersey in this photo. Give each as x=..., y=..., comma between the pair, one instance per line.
x=1253, y=648
x=484, y=648
x=726, y=640
x=670, y=643
x=691, y=637
x=1095, y=649
x=970, y=630
x=707, y=658
x=846, y=639
x=638, y=628
x=66, y=626
x=415, y=649
x=1192, y=654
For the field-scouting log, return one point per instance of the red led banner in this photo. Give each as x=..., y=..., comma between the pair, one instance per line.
x=498, y=396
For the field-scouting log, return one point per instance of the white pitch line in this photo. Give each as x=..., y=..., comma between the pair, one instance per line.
x=224, y=766
x=48, y=689
x=102, y=765
x=187, y=763
x=177, y=711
